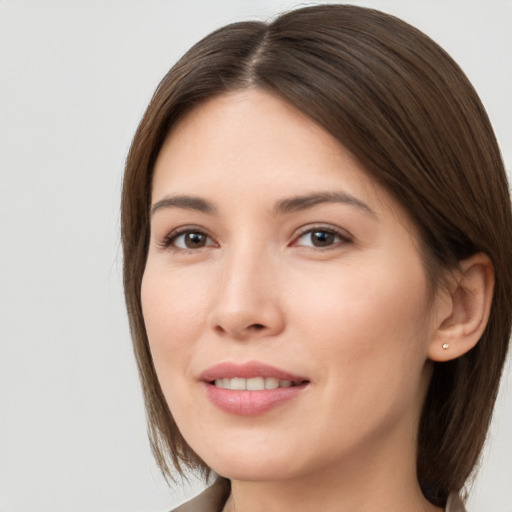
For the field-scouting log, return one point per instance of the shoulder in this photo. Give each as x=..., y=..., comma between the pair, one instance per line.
x=454, y=504
x=210, y=500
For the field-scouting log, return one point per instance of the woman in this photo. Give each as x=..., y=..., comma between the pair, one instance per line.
x=317, y=235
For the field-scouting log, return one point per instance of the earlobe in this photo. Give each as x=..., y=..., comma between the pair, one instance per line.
x=465, y=310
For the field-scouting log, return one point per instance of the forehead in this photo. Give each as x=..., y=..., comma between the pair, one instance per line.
x=253, y=136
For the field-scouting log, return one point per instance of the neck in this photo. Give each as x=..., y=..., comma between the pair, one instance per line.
x=328, y=496
x=371, y=482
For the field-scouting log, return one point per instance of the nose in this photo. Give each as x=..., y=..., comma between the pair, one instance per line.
x=247, y=301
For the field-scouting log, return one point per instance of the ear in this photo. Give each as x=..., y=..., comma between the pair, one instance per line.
x=464, y=309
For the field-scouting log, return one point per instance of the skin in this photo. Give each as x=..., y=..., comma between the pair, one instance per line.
x=354, y=316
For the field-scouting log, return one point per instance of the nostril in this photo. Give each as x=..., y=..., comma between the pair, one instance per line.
x=257, y=327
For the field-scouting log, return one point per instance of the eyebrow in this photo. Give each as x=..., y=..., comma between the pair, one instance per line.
x=298, y=203
x=284, y=206
x=185, y=203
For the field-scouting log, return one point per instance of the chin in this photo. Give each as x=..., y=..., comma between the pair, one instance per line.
x=251, y=463
x=250, y=472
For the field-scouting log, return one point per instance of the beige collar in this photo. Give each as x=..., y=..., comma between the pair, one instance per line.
x=454, y=503
x=208, y=501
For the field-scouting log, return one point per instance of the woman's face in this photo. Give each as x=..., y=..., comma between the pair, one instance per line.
x=276, y=262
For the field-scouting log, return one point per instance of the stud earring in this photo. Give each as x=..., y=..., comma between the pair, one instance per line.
x=445, y=346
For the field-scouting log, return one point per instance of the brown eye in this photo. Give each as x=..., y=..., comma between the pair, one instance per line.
x=194, y=240
x=189, y=240
x=321, y=238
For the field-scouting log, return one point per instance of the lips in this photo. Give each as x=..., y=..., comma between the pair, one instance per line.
x=252, y=388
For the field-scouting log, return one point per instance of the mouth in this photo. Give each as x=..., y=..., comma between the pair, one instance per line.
x=254, y=383
x=252, y=388
x=250, y=376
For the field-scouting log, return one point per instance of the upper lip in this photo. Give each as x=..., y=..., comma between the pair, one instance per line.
x=231, y=370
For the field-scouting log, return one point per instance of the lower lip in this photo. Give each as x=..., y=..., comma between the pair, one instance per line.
x=251, y=403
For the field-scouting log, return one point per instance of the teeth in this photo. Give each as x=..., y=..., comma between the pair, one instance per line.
x=271, y=383
x=238, y=384
x=253, y=384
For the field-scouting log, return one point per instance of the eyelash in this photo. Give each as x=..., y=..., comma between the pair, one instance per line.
x=344, y=238
x=170, y=239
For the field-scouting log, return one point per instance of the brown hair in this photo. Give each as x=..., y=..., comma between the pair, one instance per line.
x=404, y=108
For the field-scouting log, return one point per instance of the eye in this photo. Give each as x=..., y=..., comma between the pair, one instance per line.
x=188, y=239
x=320, y=237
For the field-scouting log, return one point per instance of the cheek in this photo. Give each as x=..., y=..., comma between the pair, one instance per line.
x=366, y=332
x=173, y=315
x=367, y=321
x=371, y=297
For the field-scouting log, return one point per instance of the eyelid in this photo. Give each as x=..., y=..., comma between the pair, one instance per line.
x=167, y=241
x=344, y=236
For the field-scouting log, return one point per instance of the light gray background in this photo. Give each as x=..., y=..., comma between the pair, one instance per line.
x=75, y=77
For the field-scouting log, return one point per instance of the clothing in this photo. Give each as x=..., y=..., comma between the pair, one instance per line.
x=454, y=504
x=208, y=501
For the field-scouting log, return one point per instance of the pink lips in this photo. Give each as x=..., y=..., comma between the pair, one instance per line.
x=250, y=403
